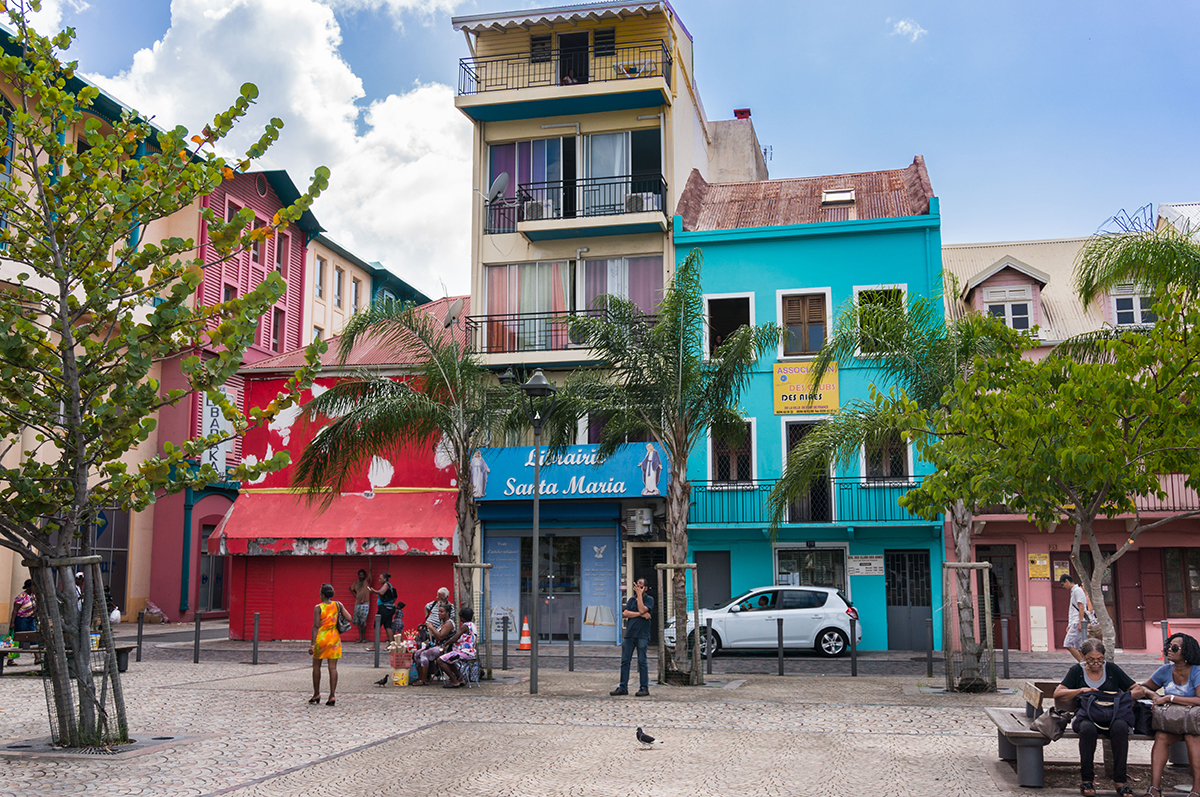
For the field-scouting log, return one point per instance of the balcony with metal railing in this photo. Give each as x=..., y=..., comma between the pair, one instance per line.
x=570, y=80
x=525, y=333
x=840, y=500
x=588, y=206
x=1179, y=498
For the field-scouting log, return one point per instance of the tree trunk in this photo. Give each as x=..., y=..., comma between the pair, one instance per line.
x=969, y=645
x=1093, y=582
x=52, y=638
x=679, y=502
x=467, y=513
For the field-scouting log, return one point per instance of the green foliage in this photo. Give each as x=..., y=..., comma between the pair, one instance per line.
x=1161, y=259
x=90, y=316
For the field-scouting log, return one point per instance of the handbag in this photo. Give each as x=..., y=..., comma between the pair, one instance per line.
x=343, y=625
x=1143, y=718
x=1104, y=708
x=1052, y=723
x=1176, y=719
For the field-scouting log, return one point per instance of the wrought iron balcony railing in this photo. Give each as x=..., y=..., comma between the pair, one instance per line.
x=564, y=67
x=529, y=332
x=580, y=198
x=841, y=499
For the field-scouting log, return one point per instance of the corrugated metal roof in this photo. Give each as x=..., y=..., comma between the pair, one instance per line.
x=572, y=14
x=1063, y=315
x=771, y=203
x=368, y=351
x=1182, y=216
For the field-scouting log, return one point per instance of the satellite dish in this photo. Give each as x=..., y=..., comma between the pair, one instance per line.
x=499, y=185
x=455, y=311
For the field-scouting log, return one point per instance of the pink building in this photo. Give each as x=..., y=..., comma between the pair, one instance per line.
x=1030, y=283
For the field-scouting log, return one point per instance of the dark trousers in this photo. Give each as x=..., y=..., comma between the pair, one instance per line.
x=627, y=656
x=1118, y=734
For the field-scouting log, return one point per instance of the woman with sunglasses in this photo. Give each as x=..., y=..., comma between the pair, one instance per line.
x=1094, y=674
x=1179, y=679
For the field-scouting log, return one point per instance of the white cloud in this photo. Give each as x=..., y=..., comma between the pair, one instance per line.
x=909, y=29
x=48, y=21
x=397, y=8
x=399, y=192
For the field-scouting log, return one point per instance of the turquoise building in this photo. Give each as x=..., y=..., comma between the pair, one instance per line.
x=793, y=252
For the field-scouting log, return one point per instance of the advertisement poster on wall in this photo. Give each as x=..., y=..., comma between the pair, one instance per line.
x=796, y=394
x=504, y=555
x=598, y=571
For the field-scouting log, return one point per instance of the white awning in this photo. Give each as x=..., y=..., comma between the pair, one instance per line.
x=586, y=12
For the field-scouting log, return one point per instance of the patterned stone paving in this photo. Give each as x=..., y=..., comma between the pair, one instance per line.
x=257, y=735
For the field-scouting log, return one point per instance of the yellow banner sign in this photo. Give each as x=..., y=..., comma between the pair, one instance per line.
x=795, y=393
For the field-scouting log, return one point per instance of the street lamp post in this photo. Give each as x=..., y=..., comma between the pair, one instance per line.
x=540, y=397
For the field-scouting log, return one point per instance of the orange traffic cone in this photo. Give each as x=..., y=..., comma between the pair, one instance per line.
x=526, y=642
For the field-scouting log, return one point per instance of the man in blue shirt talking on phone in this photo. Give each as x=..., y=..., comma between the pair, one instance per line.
x=637, y=633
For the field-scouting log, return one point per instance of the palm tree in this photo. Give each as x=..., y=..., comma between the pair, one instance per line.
x=1157, y=258
x=448, y=399
x=656, y=378
x=919, y=353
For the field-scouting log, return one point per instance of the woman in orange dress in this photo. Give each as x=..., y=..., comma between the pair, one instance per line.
x=326, y=641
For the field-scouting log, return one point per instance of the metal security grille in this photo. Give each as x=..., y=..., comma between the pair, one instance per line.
x=815, y=506
x=907, y=578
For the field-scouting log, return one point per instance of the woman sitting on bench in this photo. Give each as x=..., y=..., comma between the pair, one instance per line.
x=1094, y=674
x=464, y=649
x=1179, y=679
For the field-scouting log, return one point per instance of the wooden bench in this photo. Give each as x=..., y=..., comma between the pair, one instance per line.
x=122, y=654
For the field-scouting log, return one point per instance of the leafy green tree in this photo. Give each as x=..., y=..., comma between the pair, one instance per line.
x=656, y=377
x=448, y=399
x=919, y=354
x=88, y=316
x=1062, y=440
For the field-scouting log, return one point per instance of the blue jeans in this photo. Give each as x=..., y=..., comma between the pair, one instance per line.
x=627, y=656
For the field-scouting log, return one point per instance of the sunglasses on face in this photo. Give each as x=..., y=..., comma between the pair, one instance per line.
x=1173, y=648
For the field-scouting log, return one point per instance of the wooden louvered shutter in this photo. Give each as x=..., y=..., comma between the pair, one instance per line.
x=800, y=314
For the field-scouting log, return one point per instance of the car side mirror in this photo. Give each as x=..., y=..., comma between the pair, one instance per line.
x=735, y=608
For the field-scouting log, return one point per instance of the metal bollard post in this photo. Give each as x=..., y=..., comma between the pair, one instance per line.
x=141, y=619
x=196, y=647
x=377, y=641
x=708, y=665
x=570, y=644
x=1004, y=642
x=928, y=648
x=779, y=627
x=504, y=649
x=254, y=656
x=853, y=648
x=1166, y=631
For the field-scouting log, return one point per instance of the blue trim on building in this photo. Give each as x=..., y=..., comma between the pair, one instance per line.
x=566, y=106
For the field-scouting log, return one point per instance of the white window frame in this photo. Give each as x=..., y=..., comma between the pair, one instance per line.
x=1134, y=293
x=1007, y=296
x=319, y=279
x=780, y=295
x=784, y=420
x=339, y=283
x=858, y=289
x=710, y=296
x=800, y=545
x=907, y=481
x=741, y=484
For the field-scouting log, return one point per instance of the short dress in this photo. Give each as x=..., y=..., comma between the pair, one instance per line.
x=329, y=641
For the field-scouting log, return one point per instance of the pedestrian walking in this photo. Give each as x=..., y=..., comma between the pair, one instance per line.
x=1077, y=616
x=361, y=590
x=326, y=642
x=637, y=634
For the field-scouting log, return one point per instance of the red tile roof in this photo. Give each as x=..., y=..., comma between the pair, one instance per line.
x=368, y=351
x=771, y=203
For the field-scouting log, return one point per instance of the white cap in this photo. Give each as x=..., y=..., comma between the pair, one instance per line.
x=79, y=574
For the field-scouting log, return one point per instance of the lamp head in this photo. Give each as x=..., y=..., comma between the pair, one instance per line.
x=508, y=377
x=539, y=386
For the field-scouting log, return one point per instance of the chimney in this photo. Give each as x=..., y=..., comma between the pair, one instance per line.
x=741, y=113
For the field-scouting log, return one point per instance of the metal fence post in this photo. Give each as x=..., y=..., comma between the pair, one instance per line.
x=709, y=650
x=504, y=648
x=1166, y=632
x=570, y=644
x=141, y=619
x=929, y=647
x=853, y=647
x=779, y=628
x=196, y=646
x=377, y=641
x=254, y=656
x=1004, y=642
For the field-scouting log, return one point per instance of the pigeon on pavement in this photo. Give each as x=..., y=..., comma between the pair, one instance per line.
x=646, y=738
x=382, y=681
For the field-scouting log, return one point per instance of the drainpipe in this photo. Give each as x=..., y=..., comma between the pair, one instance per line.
x=185, y=576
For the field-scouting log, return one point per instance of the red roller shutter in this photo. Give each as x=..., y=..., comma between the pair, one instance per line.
x=260, y=597
x=345, y=572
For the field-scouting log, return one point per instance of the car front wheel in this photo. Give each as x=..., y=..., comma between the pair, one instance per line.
x=704, y=643
x=831, y=642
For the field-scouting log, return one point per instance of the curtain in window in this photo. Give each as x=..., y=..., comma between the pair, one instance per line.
x=608, y=173
x=544, y=289
x=501, y=332
x=638, y=279
x=501, y=214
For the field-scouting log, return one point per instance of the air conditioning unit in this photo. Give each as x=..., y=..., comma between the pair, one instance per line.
x=538, y=209
x=638, y=522
x=642, y=202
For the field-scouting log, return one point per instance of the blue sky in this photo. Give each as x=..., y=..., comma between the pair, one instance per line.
x=1036, y=120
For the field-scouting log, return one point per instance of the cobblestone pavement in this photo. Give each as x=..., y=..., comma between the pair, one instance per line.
x=254, y=734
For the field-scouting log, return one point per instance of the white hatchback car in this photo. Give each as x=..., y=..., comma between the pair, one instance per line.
x=817, y=618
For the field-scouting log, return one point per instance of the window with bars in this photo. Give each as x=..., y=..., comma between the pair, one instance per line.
x=733, y=463
x=604, y=42
x=804, y=319
x=1182, y=576
x=887, y=457
x=539, y=49
x=876, y=306
x=813, y=567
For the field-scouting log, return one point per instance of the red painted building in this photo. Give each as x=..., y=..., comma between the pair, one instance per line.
x=397, y=517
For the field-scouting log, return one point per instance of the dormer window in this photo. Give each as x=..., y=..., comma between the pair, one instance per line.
x=1014, y=305
x=1132, y=308
x=837, y=196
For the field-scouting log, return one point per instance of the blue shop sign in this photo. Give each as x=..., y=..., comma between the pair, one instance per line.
x=636, y=470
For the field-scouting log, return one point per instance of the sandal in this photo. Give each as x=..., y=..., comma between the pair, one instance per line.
x=1154, y=791
x=314, y=700
x=1124, y=791
x=1087, y=789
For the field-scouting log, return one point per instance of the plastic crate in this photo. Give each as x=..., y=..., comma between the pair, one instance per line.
x=400, y=659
